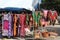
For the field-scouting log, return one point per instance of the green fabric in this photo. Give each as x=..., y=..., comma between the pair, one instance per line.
x=36, y=18
x=27, y=19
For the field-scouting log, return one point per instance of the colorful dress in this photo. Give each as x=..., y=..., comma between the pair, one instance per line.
x=36, y=18
x=53, y=15
x=46, y=17
x=9, y=25
x=22, y=24
x=5, y=23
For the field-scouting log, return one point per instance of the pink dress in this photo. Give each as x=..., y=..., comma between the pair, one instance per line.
x=45, y=13
x=5, y=25
x=22, y=24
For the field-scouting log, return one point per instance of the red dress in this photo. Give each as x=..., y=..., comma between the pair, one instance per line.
x=53, y=16
x=22, y=24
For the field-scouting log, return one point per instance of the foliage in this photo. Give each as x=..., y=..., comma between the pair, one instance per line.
x=49, y=4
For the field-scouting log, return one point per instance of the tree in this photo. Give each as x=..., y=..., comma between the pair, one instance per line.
x=49, y=4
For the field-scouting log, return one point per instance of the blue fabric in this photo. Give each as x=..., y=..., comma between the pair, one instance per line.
x=36, y=6
x=11, y=8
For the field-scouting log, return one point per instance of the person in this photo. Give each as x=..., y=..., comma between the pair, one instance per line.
x=53, y=16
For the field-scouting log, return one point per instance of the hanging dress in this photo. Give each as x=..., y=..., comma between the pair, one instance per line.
x=5, y=25
x=53, y=15
x=9, y=25
x=27, y=19
x=15, y=20
x=22, y=24
x=30, y=19
x=45, y=13
x=36, y=18
x=46, y=17
x=12, y=24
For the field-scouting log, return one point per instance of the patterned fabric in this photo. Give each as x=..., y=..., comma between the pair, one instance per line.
x=9, y=25
x=22, y=23
x=5, y=16
x=5, y=25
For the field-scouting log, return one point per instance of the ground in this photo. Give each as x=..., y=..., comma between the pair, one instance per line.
x=57, y=27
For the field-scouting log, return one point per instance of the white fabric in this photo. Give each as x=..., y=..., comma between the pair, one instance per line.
x=5, y=16
x=5, y=32
x=27, y=30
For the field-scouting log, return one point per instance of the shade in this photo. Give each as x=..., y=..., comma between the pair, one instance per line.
x=14, y=9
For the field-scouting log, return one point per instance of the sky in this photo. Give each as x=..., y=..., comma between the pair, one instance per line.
x=16, y=3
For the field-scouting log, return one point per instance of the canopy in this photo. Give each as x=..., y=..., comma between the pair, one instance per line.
x=14, y=9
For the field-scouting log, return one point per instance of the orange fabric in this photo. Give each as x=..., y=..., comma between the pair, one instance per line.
x=15, y=24
x=45, y=34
